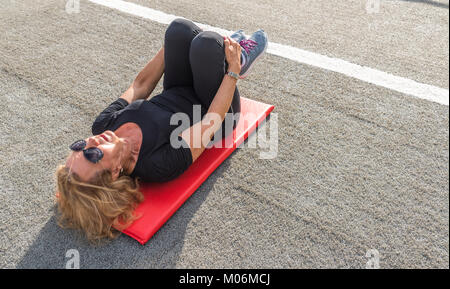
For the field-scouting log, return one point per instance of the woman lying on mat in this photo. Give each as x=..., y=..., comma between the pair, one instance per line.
x=98, y=185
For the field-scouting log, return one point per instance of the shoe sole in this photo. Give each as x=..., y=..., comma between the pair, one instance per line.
x=243, y=76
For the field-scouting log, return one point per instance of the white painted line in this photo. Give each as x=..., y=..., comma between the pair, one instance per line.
x=366, y=74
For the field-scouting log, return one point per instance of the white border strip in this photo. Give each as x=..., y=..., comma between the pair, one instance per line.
x=366, y=74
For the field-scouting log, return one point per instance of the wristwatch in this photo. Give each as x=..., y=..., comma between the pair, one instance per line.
x=234, y=75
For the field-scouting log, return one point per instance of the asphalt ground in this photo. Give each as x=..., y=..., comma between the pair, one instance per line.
x=358, y=167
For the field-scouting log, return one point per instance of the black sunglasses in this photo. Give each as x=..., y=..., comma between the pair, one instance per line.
x=93, y=155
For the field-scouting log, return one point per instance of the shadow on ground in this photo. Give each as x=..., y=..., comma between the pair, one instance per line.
x=162, y=251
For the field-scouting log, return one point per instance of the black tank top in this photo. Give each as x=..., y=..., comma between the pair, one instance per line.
x=158, y=160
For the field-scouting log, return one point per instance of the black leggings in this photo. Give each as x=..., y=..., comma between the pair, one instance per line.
x=196, y=58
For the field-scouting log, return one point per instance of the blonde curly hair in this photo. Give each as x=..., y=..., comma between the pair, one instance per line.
x=94, y=207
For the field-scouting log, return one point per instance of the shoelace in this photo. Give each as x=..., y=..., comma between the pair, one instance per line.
x=248, y=44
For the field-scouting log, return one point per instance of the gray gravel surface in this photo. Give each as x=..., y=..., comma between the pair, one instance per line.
x=358, y=167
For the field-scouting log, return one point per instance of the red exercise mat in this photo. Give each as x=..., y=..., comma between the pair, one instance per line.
x=162, y=200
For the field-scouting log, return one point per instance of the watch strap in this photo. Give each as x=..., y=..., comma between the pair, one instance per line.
x=234, y=75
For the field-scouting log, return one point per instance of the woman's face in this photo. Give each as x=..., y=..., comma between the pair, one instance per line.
x=111, y=146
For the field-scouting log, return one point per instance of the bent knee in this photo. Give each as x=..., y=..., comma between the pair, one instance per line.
x=205, y=43
x=180, y=29
x=208, y=38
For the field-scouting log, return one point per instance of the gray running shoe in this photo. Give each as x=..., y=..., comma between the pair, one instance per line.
x=238, y=35
x=253, y=48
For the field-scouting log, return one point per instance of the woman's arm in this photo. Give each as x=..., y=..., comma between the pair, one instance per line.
x=147, y=79
x=199, y=135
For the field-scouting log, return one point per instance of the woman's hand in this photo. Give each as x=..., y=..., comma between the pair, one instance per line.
x=232, y=54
